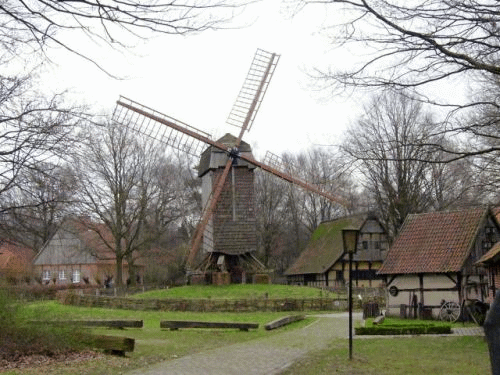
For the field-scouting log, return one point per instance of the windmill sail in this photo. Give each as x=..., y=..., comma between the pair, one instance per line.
x=151, y=123
x=253, y=90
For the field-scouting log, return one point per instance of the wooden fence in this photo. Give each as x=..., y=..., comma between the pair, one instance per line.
x=208, y=305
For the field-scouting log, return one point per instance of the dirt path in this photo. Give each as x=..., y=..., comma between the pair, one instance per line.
x=264, y=356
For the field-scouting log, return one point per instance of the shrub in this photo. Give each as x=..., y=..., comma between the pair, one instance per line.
x=397, y=329
x=20, y=336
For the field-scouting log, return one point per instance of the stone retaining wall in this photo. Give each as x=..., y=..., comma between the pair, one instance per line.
x=206, y=305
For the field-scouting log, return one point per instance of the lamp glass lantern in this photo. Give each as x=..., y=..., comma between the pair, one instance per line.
x=350, y=238
x=350, y=242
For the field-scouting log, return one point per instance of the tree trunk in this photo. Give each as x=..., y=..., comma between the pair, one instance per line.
x=492, y=332
x=119, y=272
x=132, y=274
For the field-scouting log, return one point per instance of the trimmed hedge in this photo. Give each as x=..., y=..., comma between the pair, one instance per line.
x=418, y=329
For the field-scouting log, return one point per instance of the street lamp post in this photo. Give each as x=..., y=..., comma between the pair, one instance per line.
x=350, y=240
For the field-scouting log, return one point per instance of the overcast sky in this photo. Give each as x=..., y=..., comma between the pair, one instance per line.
x=196, y=79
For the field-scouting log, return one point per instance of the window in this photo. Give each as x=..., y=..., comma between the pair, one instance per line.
x=62, y=275
x=339, y=276
x=76, y=276
x=310, y=277
x=365, y=275
x=46, y=275
x=365, y=245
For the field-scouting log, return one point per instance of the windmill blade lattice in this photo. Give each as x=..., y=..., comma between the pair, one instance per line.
x=287, y=176
x=279, y=163
x=151, y=123
x=254, y=88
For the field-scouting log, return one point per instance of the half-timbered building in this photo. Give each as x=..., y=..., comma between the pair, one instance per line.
x=324, y=262
x=433, y=260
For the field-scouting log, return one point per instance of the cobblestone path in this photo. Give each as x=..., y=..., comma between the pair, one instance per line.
x=271, y=355
x=264, y=356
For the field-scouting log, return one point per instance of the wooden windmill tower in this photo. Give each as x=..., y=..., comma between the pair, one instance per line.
x=226, y=233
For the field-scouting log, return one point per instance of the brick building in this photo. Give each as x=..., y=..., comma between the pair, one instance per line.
x=76, y=254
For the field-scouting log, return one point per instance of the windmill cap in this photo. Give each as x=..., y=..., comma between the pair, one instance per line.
x=213, y=157
x=229, y=140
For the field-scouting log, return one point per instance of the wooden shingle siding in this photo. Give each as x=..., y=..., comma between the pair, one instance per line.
x=231, y=230
x=236, y=236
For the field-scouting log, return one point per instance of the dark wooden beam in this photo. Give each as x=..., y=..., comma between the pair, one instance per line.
x=95, y=323
x=113, y=344
x=283, y=321
x=176, y=324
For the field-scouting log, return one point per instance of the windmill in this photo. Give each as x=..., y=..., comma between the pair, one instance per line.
x=227, y=229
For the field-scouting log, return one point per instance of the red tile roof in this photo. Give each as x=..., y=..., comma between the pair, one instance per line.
x=436, y=242
x=15, y=257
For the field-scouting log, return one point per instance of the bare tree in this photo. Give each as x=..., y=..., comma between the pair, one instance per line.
x=415, y=45
x=39, y=25
x=33, y=130
x=385, y=145
x=122, y=180
x=286, y=216
x=485, y=124
x=37, y=205
x=325, y=170
x=270, y=196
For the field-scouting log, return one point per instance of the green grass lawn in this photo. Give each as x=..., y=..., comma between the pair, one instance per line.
x=384, y=356
x=397, y=356
x=152, y=343
x=237, y=291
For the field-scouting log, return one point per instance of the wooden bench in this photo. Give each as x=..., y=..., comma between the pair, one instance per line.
x=176, y=324
x=283, y=321
x=113, y=344
x=120, y=324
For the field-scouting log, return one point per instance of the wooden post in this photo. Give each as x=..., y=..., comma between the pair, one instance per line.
x=350, y=305
x=492, y=332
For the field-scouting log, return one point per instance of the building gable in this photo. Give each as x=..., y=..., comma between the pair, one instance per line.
x=64, y=247
x=325, y=248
